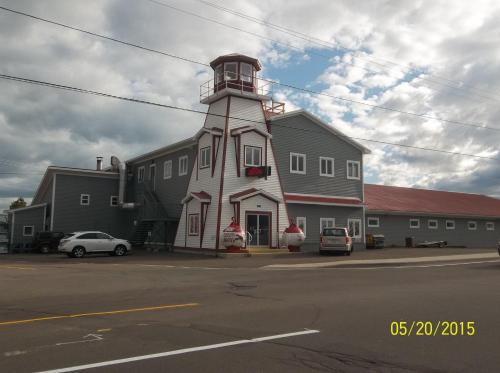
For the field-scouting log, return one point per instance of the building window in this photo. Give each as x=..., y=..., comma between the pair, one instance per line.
x=113, y=201
x=472, y=225
x=28, y=230
x=218, y=74
x=84, y=199
x=205, y=157
x=152, y=172
x=354, y=227
x=373, y=222
x=183, y=165
x=301, y=222
x=326, y=166
x=450, y=224
x=432, y=224
x=230, y=71
x=140, y=174
x=253, y=155
x=415, y=223
x=326, y=223
x=167, y=170
x=353, y=170
x=297, y=163
x=246, y=72
x=490, y=226
x=194, y=224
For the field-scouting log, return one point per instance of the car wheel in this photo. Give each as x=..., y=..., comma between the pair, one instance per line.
x=78, y=252
x=120, y=250
x=44, y=249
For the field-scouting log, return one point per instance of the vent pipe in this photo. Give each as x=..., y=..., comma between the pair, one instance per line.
x=99, y=164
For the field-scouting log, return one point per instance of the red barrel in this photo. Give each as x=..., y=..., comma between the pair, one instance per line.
x=293, y=237
x=234, y=237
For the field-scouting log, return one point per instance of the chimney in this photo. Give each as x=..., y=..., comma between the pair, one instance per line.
x=99, y=164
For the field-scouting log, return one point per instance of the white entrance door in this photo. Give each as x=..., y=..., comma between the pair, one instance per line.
x=258, y=229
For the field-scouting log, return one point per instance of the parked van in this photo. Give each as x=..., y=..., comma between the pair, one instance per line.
x=335, y=240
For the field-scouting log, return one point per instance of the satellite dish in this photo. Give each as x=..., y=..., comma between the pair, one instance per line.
x=115, y=162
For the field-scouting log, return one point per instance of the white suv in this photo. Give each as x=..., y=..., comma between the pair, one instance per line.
x=78, y=244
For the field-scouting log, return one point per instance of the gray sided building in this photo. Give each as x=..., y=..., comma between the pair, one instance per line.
x=321, y=172
x=460, y=219
x=68, y=200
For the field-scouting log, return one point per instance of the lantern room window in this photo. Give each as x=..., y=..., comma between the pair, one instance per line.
x=219, y=74
x=230, y=71
x=246, y=72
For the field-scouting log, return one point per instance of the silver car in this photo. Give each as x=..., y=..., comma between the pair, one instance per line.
x=78, y=244
x=335, y=240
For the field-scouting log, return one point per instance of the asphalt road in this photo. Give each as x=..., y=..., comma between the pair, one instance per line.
x=204, y=317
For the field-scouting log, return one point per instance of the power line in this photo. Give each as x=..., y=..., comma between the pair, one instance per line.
x=290, y=86
x=129, y=99
x=329, y=45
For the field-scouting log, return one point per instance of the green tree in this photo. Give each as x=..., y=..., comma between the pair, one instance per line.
x=18, y=203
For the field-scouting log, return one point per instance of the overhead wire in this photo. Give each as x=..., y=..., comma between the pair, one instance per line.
x=286, y=85
x=173, y=107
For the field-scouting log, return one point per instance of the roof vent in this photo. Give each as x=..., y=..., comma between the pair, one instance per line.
x=98, y=166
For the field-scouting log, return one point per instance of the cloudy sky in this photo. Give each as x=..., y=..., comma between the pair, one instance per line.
x=435, y=58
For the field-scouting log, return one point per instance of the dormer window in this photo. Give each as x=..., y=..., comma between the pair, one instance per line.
x=230, y=71
x=246, y=72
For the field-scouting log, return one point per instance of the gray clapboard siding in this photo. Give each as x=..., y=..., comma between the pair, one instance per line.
x=32, y=217
x=70, y=216
x=169, y=191
x=299, y=134
x=313, y=213
x=397, y=227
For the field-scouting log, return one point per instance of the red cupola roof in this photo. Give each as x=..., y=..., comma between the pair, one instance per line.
x=236, y=57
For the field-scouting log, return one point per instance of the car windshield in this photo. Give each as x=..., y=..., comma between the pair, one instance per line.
x=69, y=235
x=336, y=232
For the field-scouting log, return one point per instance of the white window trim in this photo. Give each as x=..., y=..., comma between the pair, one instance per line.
x=377, y=225
x=165, y=164
x=360, y=226
x=359, y=170
x=181, y=173
x=32, y=230
x=111, y=201
x=253, y=164
x=303, y=219
x=450, y=221
x=305, y=163
x=208, y=155
x=81, y=199
x=191, y=232
x=235, y=71
x=321, y=220
x=491, y=224
x=418, y=225
x=143, y=169
x=333, y=166
x=475, y=225
x=429, y=224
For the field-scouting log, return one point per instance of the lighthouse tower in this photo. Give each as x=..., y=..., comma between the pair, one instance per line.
x=234, y=176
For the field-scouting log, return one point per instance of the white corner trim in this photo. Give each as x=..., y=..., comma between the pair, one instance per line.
x=53, y=203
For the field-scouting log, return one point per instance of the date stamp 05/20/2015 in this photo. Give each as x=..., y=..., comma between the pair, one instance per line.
x=433, y=328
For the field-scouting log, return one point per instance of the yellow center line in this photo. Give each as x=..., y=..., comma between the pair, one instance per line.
x=15, y=267
x=155, y=308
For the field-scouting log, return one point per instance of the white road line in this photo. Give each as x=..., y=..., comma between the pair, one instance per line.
x=421, y=266
x=181, y=351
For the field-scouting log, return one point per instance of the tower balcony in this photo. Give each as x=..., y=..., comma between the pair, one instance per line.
x=251, y=87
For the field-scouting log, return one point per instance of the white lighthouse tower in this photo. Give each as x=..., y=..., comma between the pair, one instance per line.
x=234, y=176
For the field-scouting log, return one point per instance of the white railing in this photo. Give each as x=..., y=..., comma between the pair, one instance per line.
x=259, y=86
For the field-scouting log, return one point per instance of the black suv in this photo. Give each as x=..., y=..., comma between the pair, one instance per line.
x=45, y=242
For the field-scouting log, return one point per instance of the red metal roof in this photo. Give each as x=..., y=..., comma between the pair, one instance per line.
x=411, y=200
